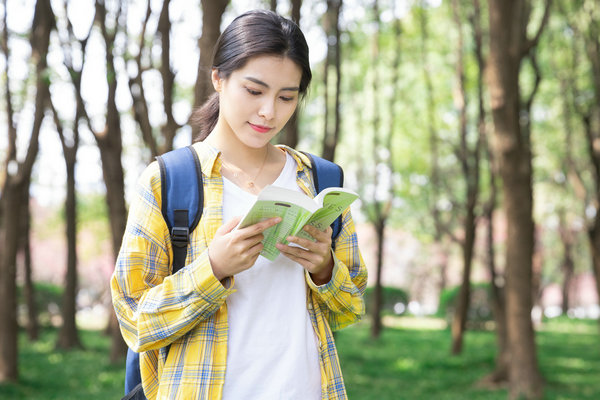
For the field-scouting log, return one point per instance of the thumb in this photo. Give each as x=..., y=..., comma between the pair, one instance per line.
x=230, y=225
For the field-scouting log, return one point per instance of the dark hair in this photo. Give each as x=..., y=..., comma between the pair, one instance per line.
x=254, y=33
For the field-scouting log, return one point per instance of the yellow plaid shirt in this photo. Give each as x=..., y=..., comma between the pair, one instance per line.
x=187, y=310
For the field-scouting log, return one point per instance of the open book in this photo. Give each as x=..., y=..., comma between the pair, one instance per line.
x=296, y=210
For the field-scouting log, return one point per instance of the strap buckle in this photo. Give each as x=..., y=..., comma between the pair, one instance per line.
x=180, y=236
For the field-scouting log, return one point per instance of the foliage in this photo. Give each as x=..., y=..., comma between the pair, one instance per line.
x=408, y=363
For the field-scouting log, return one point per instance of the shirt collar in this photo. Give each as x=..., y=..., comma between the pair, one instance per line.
x=210, y=158
x=301, y=159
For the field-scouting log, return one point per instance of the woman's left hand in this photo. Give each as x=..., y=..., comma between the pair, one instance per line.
x=315, y=257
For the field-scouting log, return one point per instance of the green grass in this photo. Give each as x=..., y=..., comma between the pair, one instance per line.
x=50, y=374
x=408, y=362
x=416, y=363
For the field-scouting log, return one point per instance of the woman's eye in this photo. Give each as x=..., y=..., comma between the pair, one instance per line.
x=253, y=92
x=284, y=98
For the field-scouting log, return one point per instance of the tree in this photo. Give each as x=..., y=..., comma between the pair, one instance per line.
x=509, y=45
x=585, y=102
x=289, y=135
x=331, y=27
x=435, y=186
x=69, y=136
x=212, y=12
x=378, y=205
x=163, y=142
x=18, y=173
x=500, y=374
x=468, y=156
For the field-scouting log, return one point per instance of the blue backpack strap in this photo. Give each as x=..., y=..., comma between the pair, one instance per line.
x=182, y=194
x=327, y=174
x=182, y=198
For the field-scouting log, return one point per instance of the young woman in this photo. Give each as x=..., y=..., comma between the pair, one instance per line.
x=231, y=324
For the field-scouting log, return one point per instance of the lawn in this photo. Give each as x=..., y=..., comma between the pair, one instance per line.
x=410, y=361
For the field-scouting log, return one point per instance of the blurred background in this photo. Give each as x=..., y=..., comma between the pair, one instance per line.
x=470, y=129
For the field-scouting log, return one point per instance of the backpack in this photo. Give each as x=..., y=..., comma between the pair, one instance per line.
x=182, y=205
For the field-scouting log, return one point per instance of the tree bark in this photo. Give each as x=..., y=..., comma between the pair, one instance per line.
x=158, y=144
x=567, y=264
x=378, y=290
x=289, y=136
x=110, y=145
x=469, y=160
x=500, y=373
x=212, y=12
x=18, y=175
x=68, y=336
x=295, y=14
x=508, y=46
x=33, y=329
x=331, y=26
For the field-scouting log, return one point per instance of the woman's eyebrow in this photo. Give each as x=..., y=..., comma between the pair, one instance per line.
x=261, y=83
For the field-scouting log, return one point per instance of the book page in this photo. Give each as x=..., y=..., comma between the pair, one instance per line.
x=292, y=216
x=335, y=201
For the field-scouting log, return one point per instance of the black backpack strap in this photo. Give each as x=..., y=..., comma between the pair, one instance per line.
x=327, y=174
x=182, y=198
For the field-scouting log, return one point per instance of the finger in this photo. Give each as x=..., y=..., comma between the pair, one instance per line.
x=306, y=243
x=319, y=235
x=260, y=227
x=303, y=262
x=230, y=225
x=297, y=253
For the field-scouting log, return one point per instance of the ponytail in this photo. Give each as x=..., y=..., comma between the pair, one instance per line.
x=205, y=118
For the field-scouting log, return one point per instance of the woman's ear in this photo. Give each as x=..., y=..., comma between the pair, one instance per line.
x=216, y=80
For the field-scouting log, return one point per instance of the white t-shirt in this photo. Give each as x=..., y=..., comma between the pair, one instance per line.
x=271, y=349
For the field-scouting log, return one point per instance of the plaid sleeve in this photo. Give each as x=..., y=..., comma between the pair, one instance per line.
x=342, y=296
x=154, y=307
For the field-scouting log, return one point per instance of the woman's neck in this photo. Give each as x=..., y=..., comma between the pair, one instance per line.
x=235, y=152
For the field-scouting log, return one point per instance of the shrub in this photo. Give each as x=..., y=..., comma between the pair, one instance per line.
x=391, y=297
x=480, y=309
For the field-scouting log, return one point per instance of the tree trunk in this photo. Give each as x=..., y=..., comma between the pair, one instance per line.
x=295, y=14
x=68, y=336
x=29, y=290
x=332, y=31
x=469, y=159
x=568, y=265
x=592, y=129
x=289, y=136
x=42, y=25
x=498, y=303
x=377, y=291
x=11, y=200
x=110, y=145
x=508, y=20
x=212, y=12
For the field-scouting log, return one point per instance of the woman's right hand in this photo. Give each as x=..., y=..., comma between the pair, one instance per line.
x=235, y=250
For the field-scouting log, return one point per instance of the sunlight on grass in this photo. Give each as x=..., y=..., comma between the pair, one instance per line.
x=405, y=364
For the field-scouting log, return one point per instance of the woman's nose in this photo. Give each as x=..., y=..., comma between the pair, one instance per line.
x=267, y=109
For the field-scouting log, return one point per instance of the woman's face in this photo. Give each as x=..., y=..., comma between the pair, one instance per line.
x=257, y=100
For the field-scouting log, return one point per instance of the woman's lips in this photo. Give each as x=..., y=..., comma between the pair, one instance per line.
x=260, y=128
